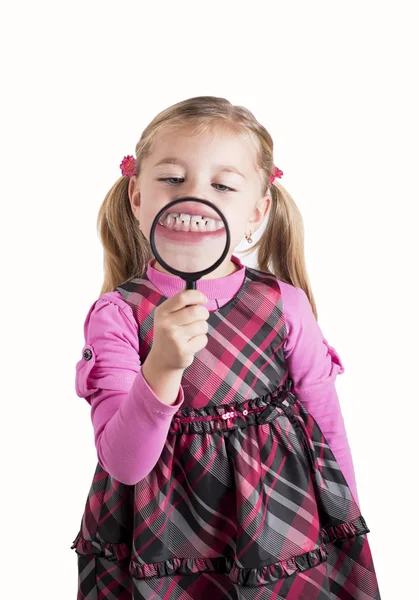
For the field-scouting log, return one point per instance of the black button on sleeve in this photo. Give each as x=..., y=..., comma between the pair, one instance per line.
x=87, y=354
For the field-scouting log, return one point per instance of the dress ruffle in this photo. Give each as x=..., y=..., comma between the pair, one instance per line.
x=253, y=411
x=345, y=530
x=100, y=548
x=225, y=565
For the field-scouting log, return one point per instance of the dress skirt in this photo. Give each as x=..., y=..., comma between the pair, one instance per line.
x=246, y=501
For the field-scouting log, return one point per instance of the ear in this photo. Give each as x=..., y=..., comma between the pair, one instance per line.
x=259, y=212
x=134, y=196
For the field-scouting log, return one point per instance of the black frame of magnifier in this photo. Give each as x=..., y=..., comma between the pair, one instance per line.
x=190, y=278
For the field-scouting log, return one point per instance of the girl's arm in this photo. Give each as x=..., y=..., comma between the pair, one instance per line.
x=130, y=422
x=314, y=366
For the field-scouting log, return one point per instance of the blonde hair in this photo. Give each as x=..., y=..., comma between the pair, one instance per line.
x=280, y=249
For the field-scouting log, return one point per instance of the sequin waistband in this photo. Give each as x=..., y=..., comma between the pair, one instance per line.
x=262, y=409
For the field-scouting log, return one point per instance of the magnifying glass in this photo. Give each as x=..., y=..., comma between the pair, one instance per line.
x=190, y=238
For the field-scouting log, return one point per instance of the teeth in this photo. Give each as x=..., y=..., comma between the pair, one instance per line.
x=196, y=223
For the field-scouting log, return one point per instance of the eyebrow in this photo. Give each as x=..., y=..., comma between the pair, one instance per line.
x=175, y=161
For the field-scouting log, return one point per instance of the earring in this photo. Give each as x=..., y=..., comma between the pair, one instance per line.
x=249, y=237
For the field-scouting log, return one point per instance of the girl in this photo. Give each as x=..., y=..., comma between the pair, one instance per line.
x=224, y=470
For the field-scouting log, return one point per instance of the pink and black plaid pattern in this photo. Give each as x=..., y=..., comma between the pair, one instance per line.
x=246, y=500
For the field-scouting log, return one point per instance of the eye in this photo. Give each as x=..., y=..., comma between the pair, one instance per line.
x=171, y=178
x=224, y=186
x=167, y=178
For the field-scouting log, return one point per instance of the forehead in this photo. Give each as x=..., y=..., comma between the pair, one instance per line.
x=216, y=146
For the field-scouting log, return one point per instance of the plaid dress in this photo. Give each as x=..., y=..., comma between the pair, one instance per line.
x=247, y=500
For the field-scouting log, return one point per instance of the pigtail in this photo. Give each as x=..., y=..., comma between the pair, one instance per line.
x=280, y=249
x=126, y=250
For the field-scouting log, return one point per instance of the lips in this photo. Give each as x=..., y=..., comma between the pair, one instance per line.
x=193, y=208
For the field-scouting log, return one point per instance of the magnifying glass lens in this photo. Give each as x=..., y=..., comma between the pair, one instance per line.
x=190, y=236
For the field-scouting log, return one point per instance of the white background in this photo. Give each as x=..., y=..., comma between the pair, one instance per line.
x=335, y=83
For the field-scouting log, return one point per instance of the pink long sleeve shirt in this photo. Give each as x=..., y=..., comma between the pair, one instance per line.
x=130, y=422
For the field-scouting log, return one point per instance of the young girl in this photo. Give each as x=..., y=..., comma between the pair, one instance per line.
x=224, y=470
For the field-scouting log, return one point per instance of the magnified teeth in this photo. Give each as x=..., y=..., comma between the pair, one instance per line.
x=193, y=223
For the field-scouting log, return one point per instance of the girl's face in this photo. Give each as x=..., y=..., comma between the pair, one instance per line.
x=212, y=166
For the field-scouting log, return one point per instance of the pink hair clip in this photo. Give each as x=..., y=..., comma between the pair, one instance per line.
x=128, y=166
x=275, y=173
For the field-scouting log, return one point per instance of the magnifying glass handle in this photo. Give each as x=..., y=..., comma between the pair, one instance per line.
x=190, y=285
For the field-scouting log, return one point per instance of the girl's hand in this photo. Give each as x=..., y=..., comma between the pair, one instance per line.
x=180, y=328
